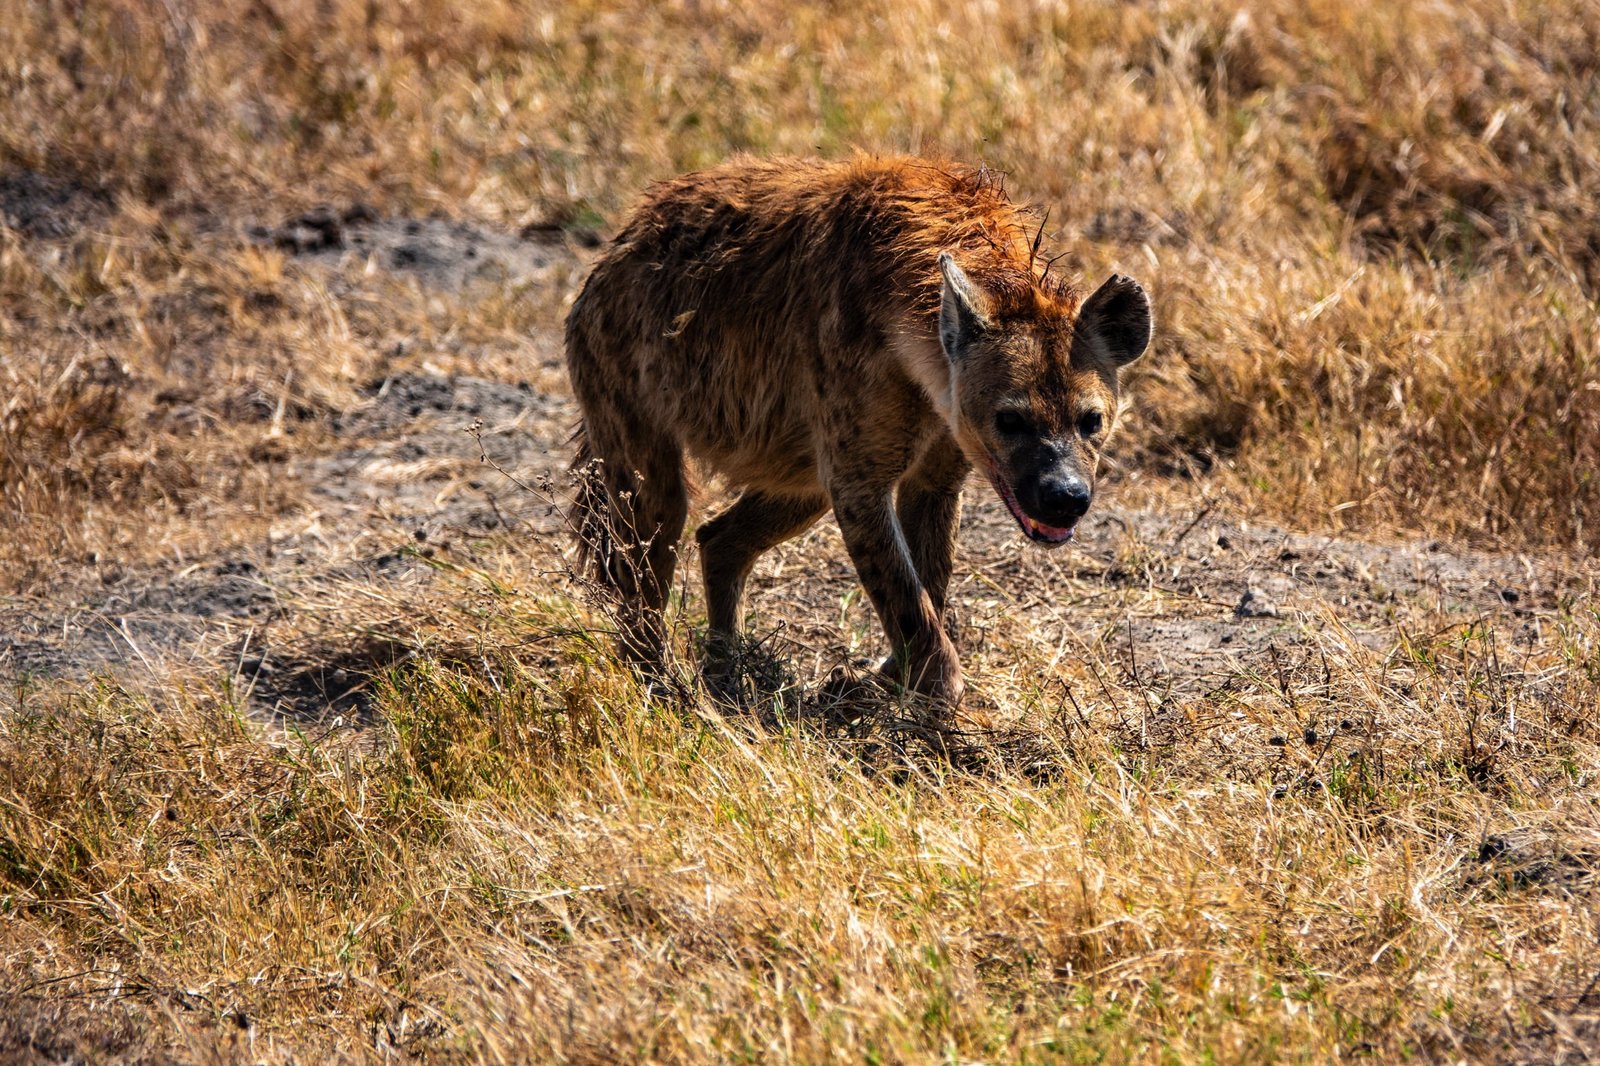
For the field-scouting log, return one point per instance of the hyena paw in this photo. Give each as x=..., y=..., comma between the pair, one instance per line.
x=938, y=676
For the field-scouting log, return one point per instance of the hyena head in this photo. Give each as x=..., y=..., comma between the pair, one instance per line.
x=1036, y=389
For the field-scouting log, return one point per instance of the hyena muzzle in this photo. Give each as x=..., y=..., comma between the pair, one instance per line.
x=853, y=336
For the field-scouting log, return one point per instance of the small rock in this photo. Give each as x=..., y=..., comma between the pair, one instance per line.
x=1509, y=595
x=541, y=230
x=1256, y=604
x=1492, y=848
x=316, y=230
x=270, y=450
x=1277, y=740
x=1224, y=543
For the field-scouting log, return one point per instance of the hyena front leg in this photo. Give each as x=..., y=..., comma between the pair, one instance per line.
x=929, y=508
x=730, y=544
x=924, y=656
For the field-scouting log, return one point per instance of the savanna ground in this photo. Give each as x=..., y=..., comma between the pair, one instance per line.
x=311, y=748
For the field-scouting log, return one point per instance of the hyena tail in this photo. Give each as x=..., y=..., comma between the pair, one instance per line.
x=628, y=513
x=588, y=501
x=589, y=520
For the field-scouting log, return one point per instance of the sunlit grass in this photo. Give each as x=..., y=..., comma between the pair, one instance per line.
x=1369, y=235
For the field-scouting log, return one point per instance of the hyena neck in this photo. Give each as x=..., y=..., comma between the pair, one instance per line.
x=925, y=363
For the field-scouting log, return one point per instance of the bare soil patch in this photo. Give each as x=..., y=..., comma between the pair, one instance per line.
x=44, y=207
x=442, y=253
x=428, y=464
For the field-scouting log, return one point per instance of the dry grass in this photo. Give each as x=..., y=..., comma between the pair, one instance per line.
x=1371, y=237
x=533, y=861
x=1371, y=234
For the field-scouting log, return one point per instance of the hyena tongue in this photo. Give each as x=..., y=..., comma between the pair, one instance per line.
x=1047, y=532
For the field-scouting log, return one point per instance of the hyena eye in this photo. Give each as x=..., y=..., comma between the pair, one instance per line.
x=1010, y=422
x=1089, y=423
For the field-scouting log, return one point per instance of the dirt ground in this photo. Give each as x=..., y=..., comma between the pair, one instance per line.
x=435, y=466
x=314, y=748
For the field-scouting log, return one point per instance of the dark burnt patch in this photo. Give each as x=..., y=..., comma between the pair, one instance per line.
x=320, y=681
x=46, y=207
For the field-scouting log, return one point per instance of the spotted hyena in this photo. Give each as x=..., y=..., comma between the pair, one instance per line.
x=848, y=335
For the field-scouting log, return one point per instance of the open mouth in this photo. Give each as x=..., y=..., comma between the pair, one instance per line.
x=1036, y=530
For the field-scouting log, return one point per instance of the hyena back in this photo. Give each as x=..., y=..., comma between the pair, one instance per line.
x=854, y=336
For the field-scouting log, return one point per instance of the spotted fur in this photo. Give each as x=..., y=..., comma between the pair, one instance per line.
x=834, y=334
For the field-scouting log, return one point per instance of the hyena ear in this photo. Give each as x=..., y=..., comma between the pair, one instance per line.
x=961, y=310
x=1114, y=323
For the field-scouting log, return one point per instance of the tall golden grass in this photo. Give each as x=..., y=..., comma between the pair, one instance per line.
x=1370, y=230
x=516, y=865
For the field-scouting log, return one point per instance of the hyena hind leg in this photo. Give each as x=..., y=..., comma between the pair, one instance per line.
x=630, y=517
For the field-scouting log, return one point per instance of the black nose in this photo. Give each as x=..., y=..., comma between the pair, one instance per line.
x=1062, y=500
